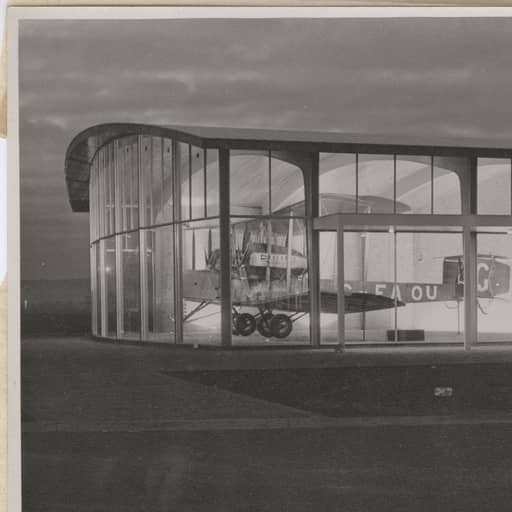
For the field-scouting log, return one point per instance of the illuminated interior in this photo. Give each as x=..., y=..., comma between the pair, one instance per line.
x=204, y=240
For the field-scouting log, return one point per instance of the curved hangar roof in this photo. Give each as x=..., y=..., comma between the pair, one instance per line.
x=84, y=146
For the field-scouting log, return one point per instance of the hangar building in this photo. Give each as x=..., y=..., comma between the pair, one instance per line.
x=237, y=237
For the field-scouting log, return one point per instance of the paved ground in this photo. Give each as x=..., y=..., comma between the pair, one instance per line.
x=430, y=469
x=145, y=428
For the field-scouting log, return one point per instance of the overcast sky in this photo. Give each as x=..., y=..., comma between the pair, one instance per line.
x=416, y=77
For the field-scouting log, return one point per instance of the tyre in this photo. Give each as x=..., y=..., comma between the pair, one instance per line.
x=245, y=324
x=281, y=326
x=264, y=325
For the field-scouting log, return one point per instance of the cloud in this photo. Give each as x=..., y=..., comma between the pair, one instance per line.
x=418, y=77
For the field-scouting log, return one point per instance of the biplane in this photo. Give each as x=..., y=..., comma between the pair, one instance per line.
x=269, y=276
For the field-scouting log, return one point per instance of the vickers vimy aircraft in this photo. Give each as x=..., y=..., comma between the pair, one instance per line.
x=273, y=277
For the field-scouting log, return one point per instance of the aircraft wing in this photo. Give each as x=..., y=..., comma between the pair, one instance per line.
x=354, y=303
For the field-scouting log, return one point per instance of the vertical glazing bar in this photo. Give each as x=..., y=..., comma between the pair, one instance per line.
x=311, y=175
x=394, y=183
x=150, y=211
x=119, y=221
x=117, y=188
x=119, y=287
x=100, y=208
x=205, y=182
x=470, y=258
x=103, y=291
x=357, y=182
x=113, y=191
x=289, y=252
x=190, y=181
x=143, y=309
x=162, y=178
x=470, y=288
x=94, y=291
x=225, y=247
x=269, y=184
x=143, y=286
x=178, y=240
x=395, y=294
x=471, y=207
x=341, y=284
x=432, y=185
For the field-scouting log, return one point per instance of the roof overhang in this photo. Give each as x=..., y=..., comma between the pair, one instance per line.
x=85, y=145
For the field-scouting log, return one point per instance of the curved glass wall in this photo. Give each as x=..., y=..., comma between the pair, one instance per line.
x=157, y=272
x=148, y=197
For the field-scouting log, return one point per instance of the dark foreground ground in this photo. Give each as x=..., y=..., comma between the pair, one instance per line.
x=344, y=469
x=125, y=428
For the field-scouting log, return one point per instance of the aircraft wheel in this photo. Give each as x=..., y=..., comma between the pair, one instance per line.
x=281, y=326
x=234, y=327
x=264, y=325
x=245, y=324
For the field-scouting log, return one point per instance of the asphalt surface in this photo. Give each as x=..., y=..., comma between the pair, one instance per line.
x=385, y=469
x=142, y=428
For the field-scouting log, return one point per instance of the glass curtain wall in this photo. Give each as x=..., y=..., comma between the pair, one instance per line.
x=396, y=284
x=155, y=246
x=373, y=184
x=269, y=269
x=197, y=177
x=149, y=195
x=494, y=186
x=493, y=287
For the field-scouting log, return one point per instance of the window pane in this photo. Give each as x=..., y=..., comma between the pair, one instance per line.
x=329, y=284
x=146, y=180
x=157, y=194
x=128, y=182
x=430, y=275
x=165, y=212
x=493, y=287
x=269, y=281
x=287, y=187
x=159, y=261
x=494, y=186
x=376, y=183
x=110, y=189
x=369, y=273
x=93, y=201
x=212, y=182
x=110, y=286
x=184, y=179
x=198, y=183
x=447, y=195
x=130, y=283
x=102, y=182
x=249, y=187
x=414, y=184
x=96, y=288
x=337, y=184
x=201, y=266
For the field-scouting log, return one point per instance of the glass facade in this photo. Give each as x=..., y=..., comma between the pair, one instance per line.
x=216, y=246
x=148, y=197
x=493, y=286
x=269, y=250
x=392, y=184
x=494, y=186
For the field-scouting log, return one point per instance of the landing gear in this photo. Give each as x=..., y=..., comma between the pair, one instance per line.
x=281, y=326
x=244, y=324
x=264, y=325
x=265, y=322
